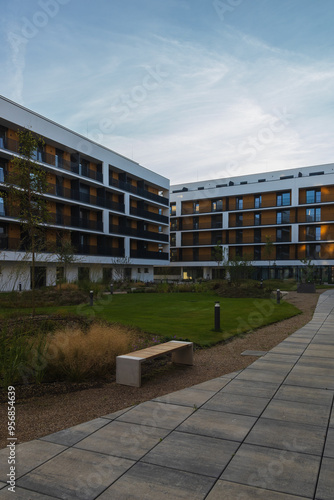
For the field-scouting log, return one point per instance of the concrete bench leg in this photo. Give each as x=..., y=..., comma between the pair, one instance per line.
x=183, y=356
x=128, y=370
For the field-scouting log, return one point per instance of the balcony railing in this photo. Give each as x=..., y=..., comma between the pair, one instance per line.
x=130, y=231
x=13, y=146
x=73, y=194
x=149, y=215
x=126, y=186
x=77, y=222
x=145, y=254
x=99, y=250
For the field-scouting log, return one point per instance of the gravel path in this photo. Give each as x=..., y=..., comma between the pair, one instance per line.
x=41, y=415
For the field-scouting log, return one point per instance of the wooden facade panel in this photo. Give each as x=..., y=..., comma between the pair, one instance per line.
x=205, y=205
x=205, y=221
x=327, y=231
x=269, y=199
x=327, y=251
x=187, y=207
x=232, y=203
x=327, y=193
x=327, y=213
x=187, y=239
x=204, y=253
x=231, y=220
x=248, y=201
x=248, y=236
x=187, y=223
x=248, y=219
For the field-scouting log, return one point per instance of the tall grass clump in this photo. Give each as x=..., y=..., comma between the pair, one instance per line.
x=76, y=355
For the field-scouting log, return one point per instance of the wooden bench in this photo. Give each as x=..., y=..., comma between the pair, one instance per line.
x=128, y=367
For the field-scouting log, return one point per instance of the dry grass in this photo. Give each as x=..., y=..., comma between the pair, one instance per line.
x=76, y=355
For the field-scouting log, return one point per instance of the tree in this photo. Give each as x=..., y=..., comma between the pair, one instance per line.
x=307, y=271
x=65, y=253
x=268, y=250
x=119, y=264
x=218, y=254
x=239, y=269
x=27, y=184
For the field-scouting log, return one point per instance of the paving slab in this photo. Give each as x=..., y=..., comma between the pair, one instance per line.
x=116, y=414
x=28, y=456
x=329, y=448
x=292, y=411
x=233, y=403
x=155, y=414
x=218, y=424
x=213, y=385
x=251, y=388
x=75, y=474
x=182, y=451
x=282, y=471
x=326, y=480
x=305, y=395
x=187, y=397
x=22, y=494
x=253, y=353
x=225, y=490
x=148, y=482
x=73, y=435
x=124, y=440
x=261, y=376
x=291, y=436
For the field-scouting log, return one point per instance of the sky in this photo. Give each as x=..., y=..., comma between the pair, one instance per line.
x=191, y=89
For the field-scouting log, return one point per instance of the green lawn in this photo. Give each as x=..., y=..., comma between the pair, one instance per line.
x=189, y=315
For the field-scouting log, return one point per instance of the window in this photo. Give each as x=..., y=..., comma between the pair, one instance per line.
x=83, y=167
x=195, y=222
x=59, y=157
x=239, y=236
x=239, y=203
x=216, y=221
x=257, y=201
x=283, y=234
x=196, y=206
x=146, y=270
x=173, y=239
x=83, y=273
x=59, y=214
x=37, y=154
x=283, y=217
x=2, y=172
x=313, y=195
x=2, y=138
x=313, y=214
x=172, y=209
x=238, y=251
x=313, y=233
x=2, y=206
x=173, y=255
x=139, y=270
x=239, y=220
x=84, y=193
x=257, y=235
x=313, y=251
x=195, y=238
x=173, y=225
x=257, y=253
x=217, y=206
x=282, y=252
x=59, y=186
x=160, y=229
x=257, y=219
x=283, y=199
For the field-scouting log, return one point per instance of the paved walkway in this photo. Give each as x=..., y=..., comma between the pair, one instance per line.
x=266, y=432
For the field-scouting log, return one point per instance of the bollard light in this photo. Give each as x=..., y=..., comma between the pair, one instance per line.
x=217, y=316
x=111, y=288
x=91, y=300
x=278, y=296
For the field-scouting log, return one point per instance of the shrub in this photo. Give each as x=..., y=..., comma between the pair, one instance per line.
x=75, y=355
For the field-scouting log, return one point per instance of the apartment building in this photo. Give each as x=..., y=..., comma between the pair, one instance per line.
x=293, y=210
x=114, y=212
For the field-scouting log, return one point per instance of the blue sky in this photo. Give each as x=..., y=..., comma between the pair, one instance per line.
x=192, y=89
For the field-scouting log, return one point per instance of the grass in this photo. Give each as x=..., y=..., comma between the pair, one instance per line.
x=189, y=316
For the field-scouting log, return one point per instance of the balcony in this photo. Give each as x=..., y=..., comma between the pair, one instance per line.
x=77, y=222
x=149, y=215
x=130, y=231
x=145, y=254
x=126, y=186
x=55, y=161
x=102, y=250
x=87, y=199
